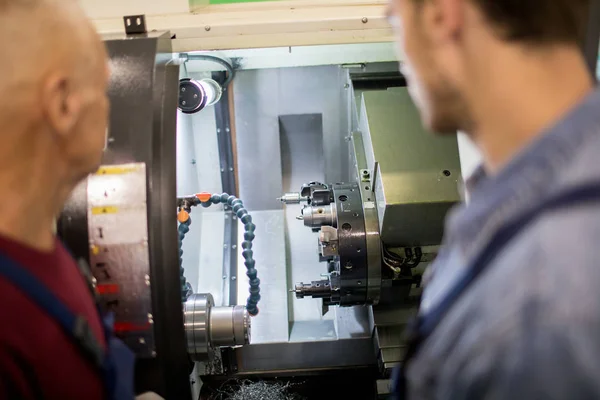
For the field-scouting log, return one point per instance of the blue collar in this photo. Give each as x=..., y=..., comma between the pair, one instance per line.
x=530, y=176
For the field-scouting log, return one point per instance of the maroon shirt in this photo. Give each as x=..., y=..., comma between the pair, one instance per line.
x=37, y=359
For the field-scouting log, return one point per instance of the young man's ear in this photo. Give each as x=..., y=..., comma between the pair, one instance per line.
x=443, y=19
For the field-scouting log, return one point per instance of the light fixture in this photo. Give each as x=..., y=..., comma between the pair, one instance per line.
x=195, y=95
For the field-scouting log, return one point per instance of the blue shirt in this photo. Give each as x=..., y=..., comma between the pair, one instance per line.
x=529, y=327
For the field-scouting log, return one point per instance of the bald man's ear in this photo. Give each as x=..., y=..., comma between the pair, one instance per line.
x=61, y=104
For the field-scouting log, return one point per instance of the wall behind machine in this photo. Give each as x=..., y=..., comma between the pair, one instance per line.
x=261, y=98
x=291, y=126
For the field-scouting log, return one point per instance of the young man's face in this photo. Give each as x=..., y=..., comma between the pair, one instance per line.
x=423, y=58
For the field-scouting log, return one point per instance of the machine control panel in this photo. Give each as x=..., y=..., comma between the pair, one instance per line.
x=119, y=255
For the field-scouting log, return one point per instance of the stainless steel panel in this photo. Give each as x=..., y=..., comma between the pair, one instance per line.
x=261, y=97
x=198, y=171
x=302, y=161
x=119, y=257
x=187, y=183
x=418, y=175
x=295, y=357
x=210, y=269
x=313, y=331
x=352, y=322
x=301, y=143
x=271, y=324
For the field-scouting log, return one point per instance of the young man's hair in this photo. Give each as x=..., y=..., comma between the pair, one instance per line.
x=537, y=21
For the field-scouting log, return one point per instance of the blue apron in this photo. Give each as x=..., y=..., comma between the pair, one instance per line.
x=115, y=363
x=423, y=326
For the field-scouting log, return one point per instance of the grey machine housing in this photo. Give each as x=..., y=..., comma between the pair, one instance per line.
x=375, y=230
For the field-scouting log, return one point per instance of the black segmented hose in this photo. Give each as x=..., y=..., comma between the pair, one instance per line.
x=238, y=208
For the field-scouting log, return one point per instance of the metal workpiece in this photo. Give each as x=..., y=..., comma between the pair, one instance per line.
x=292, y=198
x=316, y=289
x=229, y=326
x=318, y=216
x=418, y=174
x=208, y=327
x=328, y=242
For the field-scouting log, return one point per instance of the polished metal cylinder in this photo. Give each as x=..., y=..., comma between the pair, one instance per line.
x=209, y=327
x=292, y=198
x=229, y=326
x=196, y=322
x=318, y=216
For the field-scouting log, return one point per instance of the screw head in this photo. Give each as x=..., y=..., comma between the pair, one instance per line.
x=365, y=20
x=207, y=28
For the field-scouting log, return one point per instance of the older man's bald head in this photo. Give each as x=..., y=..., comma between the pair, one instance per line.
x=53, y=77
x=37, y=36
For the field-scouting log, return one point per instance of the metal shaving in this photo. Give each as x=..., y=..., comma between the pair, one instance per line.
x=249, y=390
x=215, y=364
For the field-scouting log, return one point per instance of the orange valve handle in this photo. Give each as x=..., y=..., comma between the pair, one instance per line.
x=183, y=216
x=204, y=197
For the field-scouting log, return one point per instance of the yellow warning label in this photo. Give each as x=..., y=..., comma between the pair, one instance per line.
x=105, y=210
x=95, y=250
x=117, y=169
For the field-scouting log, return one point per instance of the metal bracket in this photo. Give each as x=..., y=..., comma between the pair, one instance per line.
x=135, y=24
x=228, y=180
